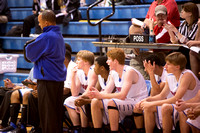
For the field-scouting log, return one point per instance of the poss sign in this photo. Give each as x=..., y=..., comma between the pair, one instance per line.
x=142, y=39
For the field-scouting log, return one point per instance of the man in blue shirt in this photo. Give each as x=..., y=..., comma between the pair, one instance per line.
x=48, y=54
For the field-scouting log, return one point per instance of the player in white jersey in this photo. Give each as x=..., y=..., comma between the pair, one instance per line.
x=102, y=70
x=154, y=66
x=191, y=108
x=81, y=80
x=130, y=87
x=180, y=84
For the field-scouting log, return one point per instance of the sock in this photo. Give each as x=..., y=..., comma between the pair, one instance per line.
x=76, y=129
x=24, y=115
x=13, y=125
x=141, y=130
x=85, y=129
x=98, y=130
x=114, y=131
x=14, y=110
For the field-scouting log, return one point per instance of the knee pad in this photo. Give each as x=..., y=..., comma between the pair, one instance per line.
x=111, y=107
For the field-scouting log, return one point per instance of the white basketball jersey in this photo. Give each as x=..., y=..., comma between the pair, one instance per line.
x=102, y=82
x=137, y=90
x=84, y=78
x=67, y=83
x=162, y=78
x=173, y=85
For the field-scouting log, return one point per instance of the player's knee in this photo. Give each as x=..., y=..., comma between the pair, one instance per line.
x=111, y=103
x=166, y=109
x=95, y=103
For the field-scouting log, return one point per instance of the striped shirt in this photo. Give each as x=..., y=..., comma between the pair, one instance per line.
x=189, y=34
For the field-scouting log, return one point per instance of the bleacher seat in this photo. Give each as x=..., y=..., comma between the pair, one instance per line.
x=20, y=13
x=83, y=28
x=77, y=44
x=20, y=3
x=121, y=12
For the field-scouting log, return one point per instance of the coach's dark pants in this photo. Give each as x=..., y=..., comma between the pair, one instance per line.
x=50, y=105
x=33, y=115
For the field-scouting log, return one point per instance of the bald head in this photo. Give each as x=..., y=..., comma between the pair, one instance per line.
x=47, y=18
x=48, y=15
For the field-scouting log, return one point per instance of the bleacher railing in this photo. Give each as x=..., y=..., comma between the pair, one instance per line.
x=101, y=20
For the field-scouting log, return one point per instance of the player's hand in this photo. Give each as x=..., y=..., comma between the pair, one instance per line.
x=180, y=105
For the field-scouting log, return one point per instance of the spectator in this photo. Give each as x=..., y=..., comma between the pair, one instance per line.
x=65, y=10
x=5, y=14
x=83, y=77
x=48, y=54
x=187, y=30
x=172, y=13
x=130, y=86
x=191, y=107
x=180, y=84
x=161, y=34
x=32, y=20
x=194, y=57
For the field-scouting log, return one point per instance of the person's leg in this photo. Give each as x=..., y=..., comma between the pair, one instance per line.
x=194, y=129
x=84, y=121
x=28, y=24
x=24, y=110
x=5, y=109
x=184, y=127
x=50, y=105
x=113, y=114
x=149, y=119
x=33, y=114
x=138, y=119
x=15, y=106
x=3, y=19
x=167, y=122
x=14, y=110
x=74, y=116
x=96, y=111
x=195, y=63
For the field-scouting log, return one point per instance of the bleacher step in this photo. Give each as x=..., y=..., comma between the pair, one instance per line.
x=77, y=44
x=83, y=28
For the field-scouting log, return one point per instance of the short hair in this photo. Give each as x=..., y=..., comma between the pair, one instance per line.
x=86, y=56
x=101, y=61
x=68, y=54
x=177, y=58
x=117, y=54
x=160, y=61
x=49, y=15
x=193, y=8
x=68, y=47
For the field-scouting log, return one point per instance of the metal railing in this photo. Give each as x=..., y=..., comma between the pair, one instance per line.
x=101, y=20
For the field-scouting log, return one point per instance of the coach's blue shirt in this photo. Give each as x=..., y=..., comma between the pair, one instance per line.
x=48, y=54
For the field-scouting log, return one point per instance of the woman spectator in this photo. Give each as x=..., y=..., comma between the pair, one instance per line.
x=188, y=28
